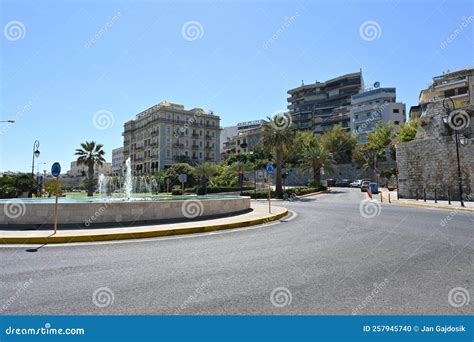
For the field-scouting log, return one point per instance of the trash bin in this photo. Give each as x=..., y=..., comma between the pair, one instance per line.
x=374, y=188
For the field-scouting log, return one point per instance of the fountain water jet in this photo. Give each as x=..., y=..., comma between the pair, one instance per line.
x=128, y=179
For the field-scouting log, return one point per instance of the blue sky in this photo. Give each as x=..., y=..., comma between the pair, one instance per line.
x=68, y=60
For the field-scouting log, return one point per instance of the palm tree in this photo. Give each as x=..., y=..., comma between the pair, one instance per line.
x=315, y=158
x=277, y=139
x=89, y=155
x=203, y=172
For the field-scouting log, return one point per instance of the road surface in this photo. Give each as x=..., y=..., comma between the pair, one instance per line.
x=326, y=259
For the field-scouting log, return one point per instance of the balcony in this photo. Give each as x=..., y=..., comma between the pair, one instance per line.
x=208, y=147
x=194, y=147
x=195, y=135
x=208, y=137
x=178, y=145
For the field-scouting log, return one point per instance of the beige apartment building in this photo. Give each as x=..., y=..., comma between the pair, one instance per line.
x=167, y=133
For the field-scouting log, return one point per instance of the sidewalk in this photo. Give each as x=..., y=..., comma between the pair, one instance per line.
x=454, y=206
x=259, y=215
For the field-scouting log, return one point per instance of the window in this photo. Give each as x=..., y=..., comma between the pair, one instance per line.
x=397, y=123
x=396, y=110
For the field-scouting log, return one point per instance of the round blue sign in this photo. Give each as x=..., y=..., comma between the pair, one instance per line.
x=56, y=169
x=270, y=168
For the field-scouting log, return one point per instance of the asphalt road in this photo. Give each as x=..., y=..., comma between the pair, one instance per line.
x=329, y=259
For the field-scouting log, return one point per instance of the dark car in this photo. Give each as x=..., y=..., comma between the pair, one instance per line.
x=330, y=182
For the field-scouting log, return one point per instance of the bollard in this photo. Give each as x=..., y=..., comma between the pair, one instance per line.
x=424, y=195
x=449, y=197
x=389, y=201
x=417, y=194
x=381, y=198
x=436, y=196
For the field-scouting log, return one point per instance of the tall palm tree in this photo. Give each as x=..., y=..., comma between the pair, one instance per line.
x=316, y=157
x=277, y=139
x=203, y=172
x=90, y=154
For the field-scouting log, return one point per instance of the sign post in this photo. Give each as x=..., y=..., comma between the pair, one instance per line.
x=270, y=172
x=56, y=171
x=183, y=178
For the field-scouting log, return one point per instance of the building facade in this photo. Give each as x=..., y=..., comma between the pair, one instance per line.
x=429, y=164
x=167, y=133
x=373, y=107
x=117, y=161
x=81, y=170
x=321, y=105
x=247, y=138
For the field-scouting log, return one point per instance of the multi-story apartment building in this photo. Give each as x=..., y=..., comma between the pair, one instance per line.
x=166, y=133
x=373, y=107
x=458, y=85
x=247, y=137
x=81, y=170
x=117, y=161
x=321, y=105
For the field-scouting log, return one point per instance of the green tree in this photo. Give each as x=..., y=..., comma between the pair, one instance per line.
x=278, y=140
x=340, y=143
x=203, y=173
x=173, y=172
x=379, y=140
x=14, y=185
x=408, y=131
x=90, y=154
x=316, y=157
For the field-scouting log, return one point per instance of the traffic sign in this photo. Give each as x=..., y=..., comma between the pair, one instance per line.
x=56, y=169
x=183, y=178
x=270, y=168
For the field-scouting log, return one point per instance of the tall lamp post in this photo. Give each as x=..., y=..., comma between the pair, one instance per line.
x=454, y=120
x=36, y=154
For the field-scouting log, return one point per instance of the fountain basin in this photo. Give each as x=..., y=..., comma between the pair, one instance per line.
x=96, y=211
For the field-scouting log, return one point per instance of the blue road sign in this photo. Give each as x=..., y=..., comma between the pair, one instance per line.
x=270, y=168
x=56, y=169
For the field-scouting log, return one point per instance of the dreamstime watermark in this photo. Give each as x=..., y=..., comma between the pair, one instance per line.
x=19, y=114
x=103, y=119
x=20, y=290
x=370, y=30
x=287, y=22
x=459, y=119
x=46, y=330
x=103, y=297
x=458, y=297
x=103, y=30
x=465, y=21
x=192, y=208
x=378, y=287
x=192, y=298
x=192, y=30
x=374, y=116
x=99, y=212
x=14, y=30
x=281, y=119
x=370, y=208
x=14, y=208
x=281, y=297
x=189, y=122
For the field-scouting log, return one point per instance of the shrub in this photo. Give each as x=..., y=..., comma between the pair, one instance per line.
x=176, y=190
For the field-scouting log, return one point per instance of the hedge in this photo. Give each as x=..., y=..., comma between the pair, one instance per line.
x=298, y=191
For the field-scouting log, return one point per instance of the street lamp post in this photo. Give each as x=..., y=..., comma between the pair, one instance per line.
x=36, y=154
x=449, y=119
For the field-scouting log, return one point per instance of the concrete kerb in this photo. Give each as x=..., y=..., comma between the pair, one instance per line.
x=52, y=239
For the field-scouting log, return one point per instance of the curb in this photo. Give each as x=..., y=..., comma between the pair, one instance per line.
x=430, y=206
x=316, y=193
x=138, y=235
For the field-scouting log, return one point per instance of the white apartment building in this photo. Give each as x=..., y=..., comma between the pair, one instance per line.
x=81, y=170
x=117, y=161
x=167, y=133
x=372, y=107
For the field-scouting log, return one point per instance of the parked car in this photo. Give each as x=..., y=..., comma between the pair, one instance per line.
x=343, y=183
x=364, y=186
x=356, y=184
x=330, y=182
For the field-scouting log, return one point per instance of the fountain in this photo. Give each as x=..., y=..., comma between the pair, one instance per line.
x=127, y=185
x=123, y=209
